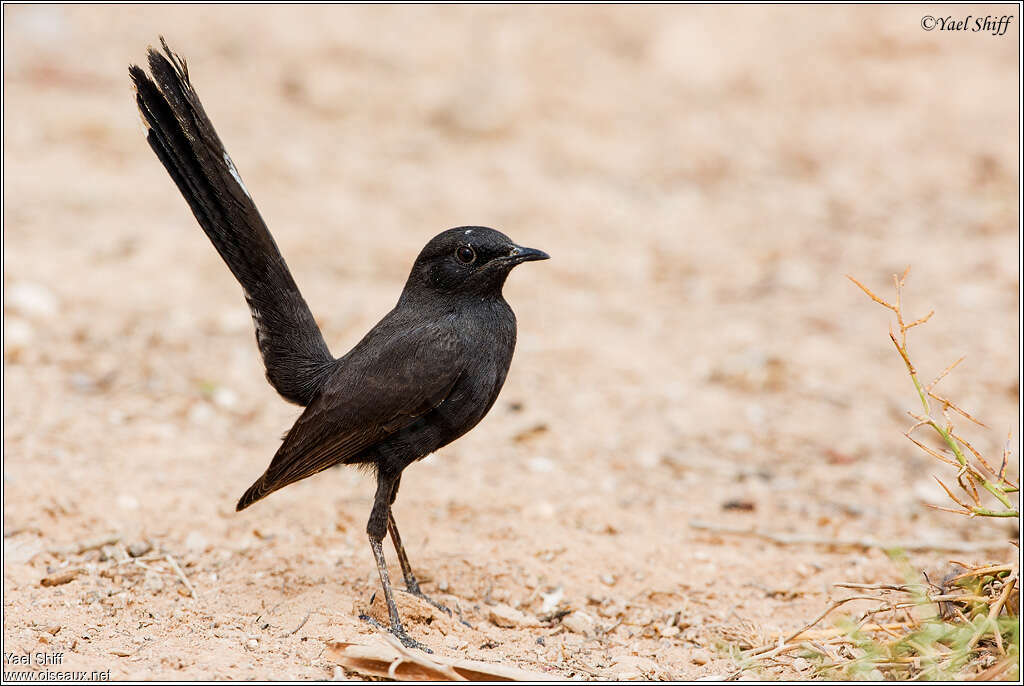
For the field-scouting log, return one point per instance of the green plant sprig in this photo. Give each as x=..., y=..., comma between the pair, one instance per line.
x=1001, y=487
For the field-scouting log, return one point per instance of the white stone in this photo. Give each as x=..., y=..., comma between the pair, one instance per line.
x=200, y=413
x=31, y=299
x=18, y=334
x=225, y=397
x=579, y=622
x=551, y=600
x=541, y=465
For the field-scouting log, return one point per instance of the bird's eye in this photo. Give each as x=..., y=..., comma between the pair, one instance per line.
x=465, y=254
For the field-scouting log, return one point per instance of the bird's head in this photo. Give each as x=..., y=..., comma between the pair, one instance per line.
x=472, y=260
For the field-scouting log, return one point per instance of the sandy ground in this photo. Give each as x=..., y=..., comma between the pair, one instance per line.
x=703, y=179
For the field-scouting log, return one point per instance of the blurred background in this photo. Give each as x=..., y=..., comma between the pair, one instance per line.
x=703, y=178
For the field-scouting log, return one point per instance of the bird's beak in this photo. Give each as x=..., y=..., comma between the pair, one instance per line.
x=521, y=254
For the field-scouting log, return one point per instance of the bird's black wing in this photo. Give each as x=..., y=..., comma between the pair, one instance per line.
x=296, y=358
x=395, y=375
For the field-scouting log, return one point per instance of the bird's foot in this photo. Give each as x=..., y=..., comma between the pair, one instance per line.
x=443, y=608
x=398, y=632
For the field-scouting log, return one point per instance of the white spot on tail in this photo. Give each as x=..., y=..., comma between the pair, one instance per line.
x=234, y=173
x=257, y=320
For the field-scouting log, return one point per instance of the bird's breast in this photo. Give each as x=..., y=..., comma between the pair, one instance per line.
x=488, y=337
x=486, y=334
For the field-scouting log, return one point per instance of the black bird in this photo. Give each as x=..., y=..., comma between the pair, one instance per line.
x=422, y=377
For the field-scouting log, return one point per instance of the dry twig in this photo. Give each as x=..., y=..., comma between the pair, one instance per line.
x=301, y=624
x=800, y=539
x=62, y=577
x=181, y=575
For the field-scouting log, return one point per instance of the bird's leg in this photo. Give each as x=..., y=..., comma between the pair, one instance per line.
x=411, y=585
x=376, y=528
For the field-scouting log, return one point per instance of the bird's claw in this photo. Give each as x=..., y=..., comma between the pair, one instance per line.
x=398, y=632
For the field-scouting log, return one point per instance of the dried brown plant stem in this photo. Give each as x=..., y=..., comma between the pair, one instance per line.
x=782, y=645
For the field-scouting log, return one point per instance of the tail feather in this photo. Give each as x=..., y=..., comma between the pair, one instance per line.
x=295, y=355
x=257, y=491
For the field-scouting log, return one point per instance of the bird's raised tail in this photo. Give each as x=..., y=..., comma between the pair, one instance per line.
x=296, y=358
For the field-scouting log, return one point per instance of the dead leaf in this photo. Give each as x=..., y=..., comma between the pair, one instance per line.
x=393, y=661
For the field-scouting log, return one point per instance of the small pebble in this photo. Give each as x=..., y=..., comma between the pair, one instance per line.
x=545, y=509
x=551, y=600
x=700, y=657
x=139, y=548
x=18, y=334
x=541, y=465
x=669, y=632
x=31, y=299
x=579, y=622
x=225, y=397
x=200, y=413
x=508, y=617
